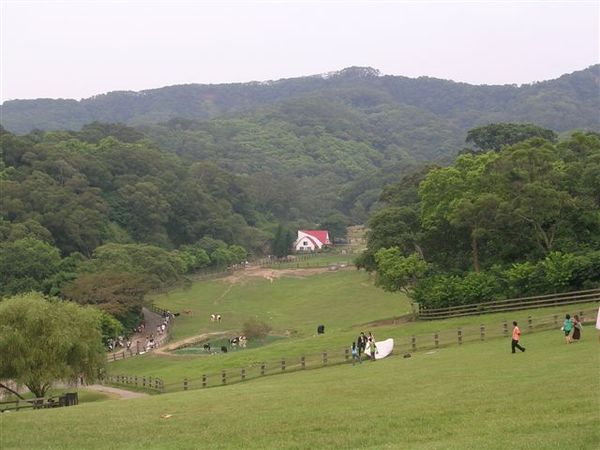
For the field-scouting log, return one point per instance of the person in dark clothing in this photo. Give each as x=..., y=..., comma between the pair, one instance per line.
x=361, y=344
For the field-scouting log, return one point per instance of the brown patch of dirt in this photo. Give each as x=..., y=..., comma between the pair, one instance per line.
x=272, y=274
x=390, y=321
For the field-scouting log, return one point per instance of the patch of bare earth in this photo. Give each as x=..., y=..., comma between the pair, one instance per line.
x=271, y=275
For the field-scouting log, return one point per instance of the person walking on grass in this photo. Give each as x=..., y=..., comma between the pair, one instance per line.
x=373, y=349
x=576, y=329
x=567, y=327
x=516, y=337
x=361, y=344
x=355, y=354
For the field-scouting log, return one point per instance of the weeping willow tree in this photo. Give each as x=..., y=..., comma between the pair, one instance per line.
x=44, y=340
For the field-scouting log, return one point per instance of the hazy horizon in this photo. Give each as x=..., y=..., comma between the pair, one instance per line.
x=292, y=77
x=64, y=49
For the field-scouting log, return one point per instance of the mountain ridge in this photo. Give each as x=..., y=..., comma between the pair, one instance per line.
x=206, y=101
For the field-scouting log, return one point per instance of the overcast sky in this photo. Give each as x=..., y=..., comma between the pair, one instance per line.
x=75, y=49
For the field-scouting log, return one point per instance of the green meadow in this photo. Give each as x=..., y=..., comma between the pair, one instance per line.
x=475, y=396
x=346, y=302
x=292, y=305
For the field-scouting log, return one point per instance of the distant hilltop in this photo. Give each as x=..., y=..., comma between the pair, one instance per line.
x=568, y=102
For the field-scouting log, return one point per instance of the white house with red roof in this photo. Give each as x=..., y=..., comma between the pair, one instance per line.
x=311, y=240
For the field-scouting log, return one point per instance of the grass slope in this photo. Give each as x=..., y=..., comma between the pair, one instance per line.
x=342, y=301
x=470, y=397
x=294, y=304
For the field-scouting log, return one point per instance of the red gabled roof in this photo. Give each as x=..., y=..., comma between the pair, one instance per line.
x=321, y=235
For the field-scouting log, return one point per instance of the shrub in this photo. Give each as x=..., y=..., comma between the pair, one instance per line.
x=256, y=329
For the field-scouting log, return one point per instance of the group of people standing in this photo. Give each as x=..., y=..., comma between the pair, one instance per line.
x=361, y=345
x=572, y=328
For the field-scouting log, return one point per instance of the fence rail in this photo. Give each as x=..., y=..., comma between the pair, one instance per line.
x=402, y=345
x=69, y=399
x=514, y=304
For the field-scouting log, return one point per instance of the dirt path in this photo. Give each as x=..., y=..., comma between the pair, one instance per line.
x=121, y=393
x=151, y=320
x=272, y=274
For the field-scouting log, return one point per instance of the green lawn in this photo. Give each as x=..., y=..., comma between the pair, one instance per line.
x=475, y=396
x=291, y=305
x=341, y=300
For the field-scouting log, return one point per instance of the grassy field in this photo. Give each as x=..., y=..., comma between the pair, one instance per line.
x=475, y=396
x=344, y=301
x=291, y=305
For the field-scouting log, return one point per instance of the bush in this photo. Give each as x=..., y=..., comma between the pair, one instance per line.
x=256, y=329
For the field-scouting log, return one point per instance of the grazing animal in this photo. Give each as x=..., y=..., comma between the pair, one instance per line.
x=407, y=355
x=187, y=312
x=238, y=340
x=213, y=317
x=207, y=346
x=218, y=317
x=223, y=349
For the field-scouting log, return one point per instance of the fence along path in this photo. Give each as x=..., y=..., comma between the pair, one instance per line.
x=513, y=304
x=407, y=344
x=137, y=347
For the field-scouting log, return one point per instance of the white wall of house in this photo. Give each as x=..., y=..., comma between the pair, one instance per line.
x=306, y=243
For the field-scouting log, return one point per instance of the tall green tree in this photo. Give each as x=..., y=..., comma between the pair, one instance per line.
x=43, y=341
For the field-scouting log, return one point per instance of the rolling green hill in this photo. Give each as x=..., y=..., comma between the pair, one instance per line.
x=568, y=102
x=470, y=397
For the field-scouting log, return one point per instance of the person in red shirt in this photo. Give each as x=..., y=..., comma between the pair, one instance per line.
x=516, y=336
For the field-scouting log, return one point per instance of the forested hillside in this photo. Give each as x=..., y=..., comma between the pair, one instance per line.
x=520, y=220
x=311, y=147
x=568, y=102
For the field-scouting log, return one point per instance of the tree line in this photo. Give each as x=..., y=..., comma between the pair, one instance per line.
x=504, y=220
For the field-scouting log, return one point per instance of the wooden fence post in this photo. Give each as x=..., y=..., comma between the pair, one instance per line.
x=243, y=374
x=555, y=319
x=459, y=332
x=262, y=369
x=436, y=339
x=505, y=328
x=529, y=323
x=203, y=381
x=482, y=332
x=282, y=364
x=224, y=377
x=303, y=362
x=581, y=316
x=185, y=384
x=413, y=343
x=157, y=384
x=136, y=381
x=150, y=382
x=114, y=356
x=324, y=358
x=346, y=354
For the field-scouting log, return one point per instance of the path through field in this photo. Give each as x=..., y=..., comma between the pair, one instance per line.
x=122, y=394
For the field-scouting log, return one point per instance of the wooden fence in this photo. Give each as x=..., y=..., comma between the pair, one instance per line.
x=143, y=383
x=402, y=345
x=513, y=304
x=138, y=348
x=69, y=399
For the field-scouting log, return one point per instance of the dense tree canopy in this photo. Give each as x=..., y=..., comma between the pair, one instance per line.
x=43, y=341
x=495, y=223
